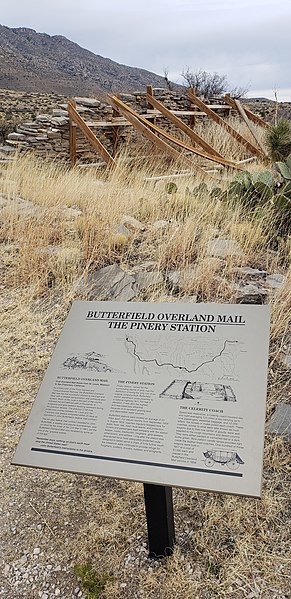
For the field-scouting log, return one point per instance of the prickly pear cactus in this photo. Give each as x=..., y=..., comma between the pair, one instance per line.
x=284, y=168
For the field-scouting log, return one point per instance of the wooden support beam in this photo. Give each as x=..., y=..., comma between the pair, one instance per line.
x=126, y=110
x=90, y=136
x=150, y=95
x=115, y=134
x=215, y=117
x=73, y=139
x=181, y=125
x=250, y=126
x=253, y=117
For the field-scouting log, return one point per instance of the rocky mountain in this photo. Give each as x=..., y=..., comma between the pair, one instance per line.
x=38, y=62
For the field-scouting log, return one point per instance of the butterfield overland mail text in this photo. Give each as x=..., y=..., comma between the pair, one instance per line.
x=170, y=394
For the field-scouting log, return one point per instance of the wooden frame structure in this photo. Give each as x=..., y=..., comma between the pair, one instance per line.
x=124, y=115
x=145, y=127
x=215, y=117
x=77, y=120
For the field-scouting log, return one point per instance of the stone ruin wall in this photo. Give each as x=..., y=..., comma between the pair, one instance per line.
x=48, y=134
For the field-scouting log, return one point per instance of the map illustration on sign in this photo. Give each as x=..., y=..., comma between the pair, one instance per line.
x=195, y=390
x=218, y=360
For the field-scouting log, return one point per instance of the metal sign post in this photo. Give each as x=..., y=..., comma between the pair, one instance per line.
x=160, y=520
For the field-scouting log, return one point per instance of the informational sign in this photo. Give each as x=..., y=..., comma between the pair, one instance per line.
x=170, y=394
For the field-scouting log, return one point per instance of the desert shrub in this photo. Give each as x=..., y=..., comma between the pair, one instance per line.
x=278, y=140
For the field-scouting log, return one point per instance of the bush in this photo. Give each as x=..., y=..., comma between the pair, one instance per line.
x=210, y=84
x=278, y=140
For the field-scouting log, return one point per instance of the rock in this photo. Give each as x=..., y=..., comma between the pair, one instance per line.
x=160, y=225
x=121, y=230
x=287, y=357
x=287, y=360
x=109, y=283
x=72, y=212
x=222, y=248
x=126, y=97
x=36, y=551
x=250, y=294
x=16, y=137
x=54, y=134
x=7, y=150
x=132, y=223
x=147, y=265
x=253, y=273
x=88, y=102
x=182, y=278
x=280, y=422
x=145, y=280
x=25, y=207
x=276, y=280
x=184, y=299
x=42, y=118
x=59, y=120
x=59, y=112
x=173, y=277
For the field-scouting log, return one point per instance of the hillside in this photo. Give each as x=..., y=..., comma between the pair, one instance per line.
x=38, y=62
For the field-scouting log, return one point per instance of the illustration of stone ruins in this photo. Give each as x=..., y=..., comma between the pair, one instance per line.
x=200, y=391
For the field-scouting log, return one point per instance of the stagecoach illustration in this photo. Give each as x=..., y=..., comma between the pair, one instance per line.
x=179, y=389
x=231, y=459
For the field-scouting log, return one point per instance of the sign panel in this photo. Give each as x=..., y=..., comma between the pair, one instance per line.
x=170, y=394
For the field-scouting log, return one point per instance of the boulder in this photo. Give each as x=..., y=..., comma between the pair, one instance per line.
x=250, y=294
x=109, y=283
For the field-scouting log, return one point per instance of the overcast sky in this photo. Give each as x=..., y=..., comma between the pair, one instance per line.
x=247, y=40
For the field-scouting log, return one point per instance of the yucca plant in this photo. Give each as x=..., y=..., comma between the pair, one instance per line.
x=278, y=140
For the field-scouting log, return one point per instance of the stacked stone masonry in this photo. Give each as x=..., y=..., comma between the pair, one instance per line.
x=49, y=137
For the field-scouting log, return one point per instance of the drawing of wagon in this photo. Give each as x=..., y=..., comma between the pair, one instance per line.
x=229, y=458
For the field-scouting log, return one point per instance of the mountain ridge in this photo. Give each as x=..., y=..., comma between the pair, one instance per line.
x=38, y=62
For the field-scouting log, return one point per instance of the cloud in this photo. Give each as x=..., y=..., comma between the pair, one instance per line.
x=248, y=40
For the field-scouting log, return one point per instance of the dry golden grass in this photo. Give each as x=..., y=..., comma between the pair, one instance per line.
x=58, y=224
